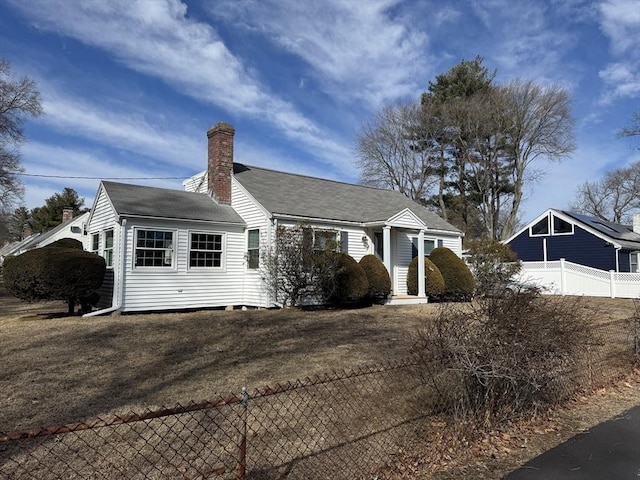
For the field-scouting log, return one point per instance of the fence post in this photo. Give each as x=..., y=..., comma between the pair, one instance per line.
x=612, y=282
x=563, y=280
x=242, y=444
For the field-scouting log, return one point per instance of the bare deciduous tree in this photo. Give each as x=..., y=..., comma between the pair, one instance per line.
x=396, y=150
x=541, y=127
x=633, y=129
x=18, y=99
x=614, y=198
x=297, y=268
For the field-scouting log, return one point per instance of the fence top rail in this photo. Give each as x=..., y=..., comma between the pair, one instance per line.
x=233, y=399
x=132, y=417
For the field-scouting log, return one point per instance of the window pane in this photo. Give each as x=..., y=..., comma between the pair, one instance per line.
x=541, y=228
x=254, y=238
x=429, y=245
x=560, y=226
x=108, y=239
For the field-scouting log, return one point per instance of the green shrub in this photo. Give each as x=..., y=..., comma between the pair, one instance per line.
x=349, y=283
x=434, y=283
x=458, y=279
x=377, y=276
x=55, y=273
x=66, y=243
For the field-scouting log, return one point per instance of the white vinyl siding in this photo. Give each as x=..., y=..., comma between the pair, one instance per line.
x=183, y=286
x=256, y=218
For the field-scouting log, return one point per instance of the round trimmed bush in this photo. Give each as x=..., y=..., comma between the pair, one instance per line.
x=66, y=243
x=434, y=283
x=350, y=284
x=458, y=279
x=377, y=276
x=55, y=273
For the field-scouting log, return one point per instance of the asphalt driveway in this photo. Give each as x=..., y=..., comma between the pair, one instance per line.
x=610, y=450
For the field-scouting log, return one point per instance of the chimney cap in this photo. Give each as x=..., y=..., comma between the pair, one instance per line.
x=221, y=127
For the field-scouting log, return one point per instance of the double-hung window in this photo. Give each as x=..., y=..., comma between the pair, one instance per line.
x=108, y=247
x=206, y=250
x=253, y=249
x=154, y=248
x=95, y=243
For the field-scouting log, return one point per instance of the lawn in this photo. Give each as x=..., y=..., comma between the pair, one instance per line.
x=59, y=369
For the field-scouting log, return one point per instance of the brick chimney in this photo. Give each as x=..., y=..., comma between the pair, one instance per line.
x=220, y=164
x=67, y=214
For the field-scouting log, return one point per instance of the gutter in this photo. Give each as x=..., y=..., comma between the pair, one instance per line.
x=119, y=282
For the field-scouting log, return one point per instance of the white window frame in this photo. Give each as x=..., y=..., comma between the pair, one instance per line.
x=633, y=255
x=95, y=243
x=549, y=227
x=174, y=239
x=108, y=251
x=222, y=251
x=253, y=249
x=553, y=227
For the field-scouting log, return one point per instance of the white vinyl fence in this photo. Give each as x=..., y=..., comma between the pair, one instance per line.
x=565, y=278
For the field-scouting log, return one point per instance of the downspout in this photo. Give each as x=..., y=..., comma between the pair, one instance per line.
x=119, y=282
x=618, y=259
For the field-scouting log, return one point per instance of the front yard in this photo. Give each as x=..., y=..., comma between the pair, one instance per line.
x=57, y=369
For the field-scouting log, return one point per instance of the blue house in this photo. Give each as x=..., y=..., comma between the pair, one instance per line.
x=580, y=239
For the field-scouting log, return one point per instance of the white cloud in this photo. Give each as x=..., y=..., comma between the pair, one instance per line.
x=126, y=131
x=359, y=51
x=158, y=38
x=620, y=23
x=525, y=41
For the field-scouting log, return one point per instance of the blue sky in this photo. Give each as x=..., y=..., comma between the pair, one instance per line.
x=130, y=87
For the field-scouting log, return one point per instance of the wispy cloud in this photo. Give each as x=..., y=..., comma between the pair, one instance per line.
x=524, y=39
x=358, y=51
x=620, y=23
x=159, y=39
x=126, y=131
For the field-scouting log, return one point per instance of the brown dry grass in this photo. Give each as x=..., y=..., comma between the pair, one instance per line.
x=58, y=369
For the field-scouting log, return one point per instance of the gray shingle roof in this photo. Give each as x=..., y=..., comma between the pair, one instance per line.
x=309, y=197
x=140, y=201
x=622, y=234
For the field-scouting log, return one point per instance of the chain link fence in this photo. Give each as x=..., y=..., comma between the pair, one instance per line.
x=346, y=424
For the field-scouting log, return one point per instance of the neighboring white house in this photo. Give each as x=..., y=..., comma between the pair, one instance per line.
x=71, y=227
x=170, y=249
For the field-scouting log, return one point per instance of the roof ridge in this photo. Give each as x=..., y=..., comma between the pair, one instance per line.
x=341, y=182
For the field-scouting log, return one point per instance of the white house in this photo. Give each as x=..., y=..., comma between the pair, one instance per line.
x=170, y=249
x=71, y=227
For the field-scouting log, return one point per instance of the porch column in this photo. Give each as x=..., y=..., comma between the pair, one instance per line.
x=421, y=289
x=386, y=253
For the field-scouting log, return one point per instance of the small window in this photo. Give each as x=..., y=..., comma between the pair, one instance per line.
x=560, y=227
x=429, y=245
x=206, y=250
x=540, y=228
x=633, y=262
x=95, y=242
x=325, y=240
x=154, y=248
x=253, y=249
x=378, y=244
x=108, y=247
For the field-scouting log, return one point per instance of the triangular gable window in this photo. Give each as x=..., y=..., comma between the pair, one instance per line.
x=560, y=227
x=540, y=228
